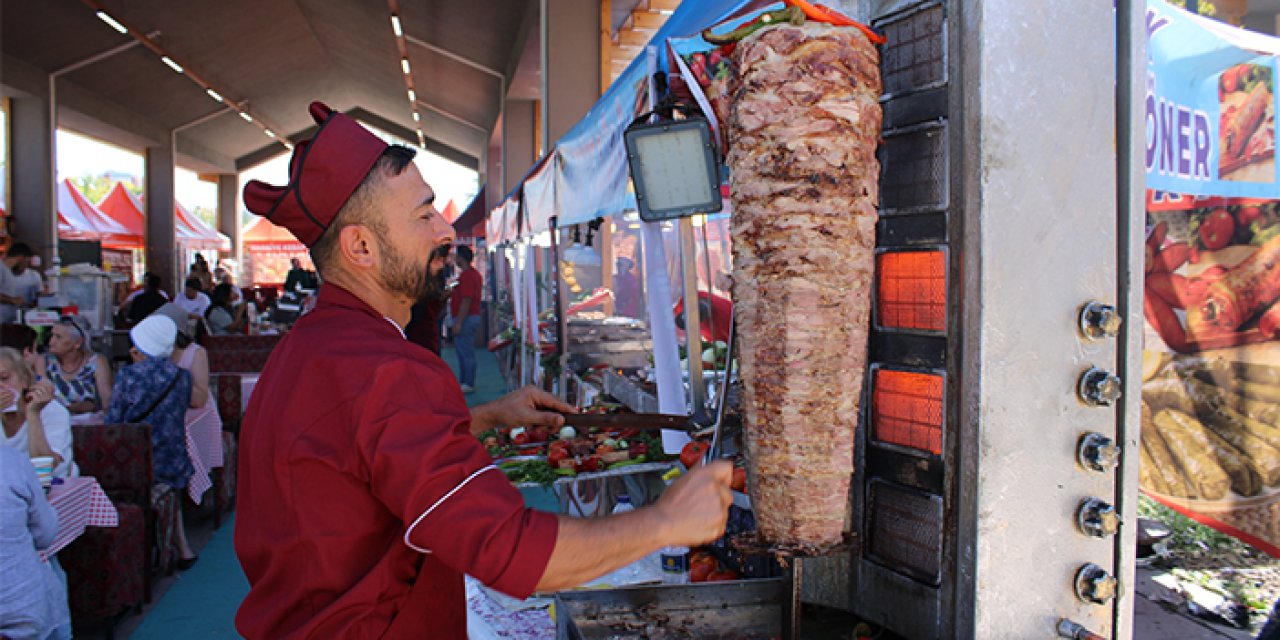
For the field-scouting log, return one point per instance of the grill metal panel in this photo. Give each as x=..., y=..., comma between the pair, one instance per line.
x=914, y=170
x=905, y=531
x=916, y=57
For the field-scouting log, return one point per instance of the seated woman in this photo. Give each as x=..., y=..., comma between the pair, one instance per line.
x=33, y=601
x=154, y=391
x=81, y=378
x=221, y=317
x=203, y=413
x=33, y=423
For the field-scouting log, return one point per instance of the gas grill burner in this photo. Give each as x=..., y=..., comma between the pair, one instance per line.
x=750, y=544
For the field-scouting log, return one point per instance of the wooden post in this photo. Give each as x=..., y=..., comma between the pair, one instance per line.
x=606, y=45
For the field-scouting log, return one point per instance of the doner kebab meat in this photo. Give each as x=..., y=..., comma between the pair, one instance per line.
x=803, y=127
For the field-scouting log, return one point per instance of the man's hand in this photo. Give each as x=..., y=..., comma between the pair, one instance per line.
x=695, y=508
x=526, y=407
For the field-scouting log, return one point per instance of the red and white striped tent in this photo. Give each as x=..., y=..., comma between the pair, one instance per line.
x=192, y=232
x=196, y=234
x=79, y=219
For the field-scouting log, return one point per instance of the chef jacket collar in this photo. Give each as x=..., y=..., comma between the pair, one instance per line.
x=334, y=295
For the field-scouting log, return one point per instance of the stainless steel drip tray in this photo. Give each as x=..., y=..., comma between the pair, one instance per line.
x=736, y=610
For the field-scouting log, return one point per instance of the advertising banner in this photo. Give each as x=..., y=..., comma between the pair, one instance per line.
x=1211, y=360
x=1210, y=106
x=269, y=263
x=1211, y=363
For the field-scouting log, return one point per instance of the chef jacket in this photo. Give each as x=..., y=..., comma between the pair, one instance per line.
x=363, y=497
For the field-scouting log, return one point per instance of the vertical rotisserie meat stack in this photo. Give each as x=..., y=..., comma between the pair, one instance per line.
x=803, y=128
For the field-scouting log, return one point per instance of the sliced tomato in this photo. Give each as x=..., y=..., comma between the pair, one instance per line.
x=555, y=455
x=699, y=573
x=692, y=453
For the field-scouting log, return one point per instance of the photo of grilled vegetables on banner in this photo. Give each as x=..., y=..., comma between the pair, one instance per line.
x=1210, y=444
x=1247, y=124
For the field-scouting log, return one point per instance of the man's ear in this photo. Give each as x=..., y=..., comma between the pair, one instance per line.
x=359, y=246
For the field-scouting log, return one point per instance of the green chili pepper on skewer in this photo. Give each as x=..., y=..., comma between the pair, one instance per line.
x=791, y=14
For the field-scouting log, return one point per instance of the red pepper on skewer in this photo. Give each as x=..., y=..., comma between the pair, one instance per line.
x=823, y=13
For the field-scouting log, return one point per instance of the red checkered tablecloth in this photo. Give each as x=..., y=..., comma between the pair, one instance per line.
x=204, y=446
x=79, y=503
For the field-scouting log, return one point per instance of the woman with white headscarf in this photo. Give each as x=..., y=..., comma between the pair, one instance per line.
x=155, y=391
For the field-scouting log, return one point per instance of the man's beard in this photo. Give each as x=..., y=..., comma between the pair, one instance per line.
x=399, y=275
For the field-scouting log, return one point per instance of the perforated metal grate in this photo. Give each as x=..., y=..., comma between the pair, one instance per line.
x=911, y=290
x=907, y=409
x=915, y=55
x=905, y=531
x=914, y=169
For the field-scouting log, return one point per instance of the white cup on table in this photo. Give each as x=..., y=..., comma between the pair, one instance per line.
x=44, y=469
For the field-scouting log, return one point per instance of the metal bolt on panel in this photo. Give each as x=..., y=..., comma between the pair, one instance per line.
x=1094, y=585
x=1097, y=452
x=1099, y=387
x=1099, y=320
x=1097, y=518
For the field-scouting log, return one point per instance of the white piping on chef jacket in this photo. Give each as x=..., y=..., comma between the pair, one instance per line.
x=393, y=323
x=437, y=503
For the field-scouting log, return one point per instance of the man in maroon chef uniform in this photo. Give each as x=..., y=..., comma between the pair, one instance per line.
x=364, y=497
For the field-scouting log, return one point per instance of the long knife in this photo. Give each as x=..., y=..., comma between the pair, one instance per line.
x=645, y=421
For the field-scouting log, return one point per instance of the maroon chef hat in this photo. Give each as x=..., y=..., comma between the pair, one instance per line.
x=323, y=173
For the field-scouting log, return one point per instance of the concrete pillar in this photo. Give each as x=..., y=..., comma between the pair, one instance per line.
x=162, y=243
x=570, y=64
x=228, y=215
x=31, y=177
x=518, y=139
x=493, y=183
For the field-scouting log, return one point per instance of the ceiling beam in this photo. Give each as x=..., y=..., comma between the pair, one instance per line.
x=662, y=5
x=267, y=152
x=453, y=116
x=194, y=156
x=453, y=56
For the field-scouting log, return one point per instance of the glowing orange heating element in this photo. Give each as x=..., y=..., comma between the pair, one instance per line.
x=912, y=290
x=906, y=409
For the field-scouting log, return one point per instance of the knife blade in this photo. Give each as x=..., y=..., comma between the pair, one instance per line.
x=645, y=421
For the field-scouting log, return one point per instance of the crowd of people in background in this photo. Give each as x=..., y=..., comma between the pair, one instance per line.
x=166, y=386
x=211, y=298
x=44, y=389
